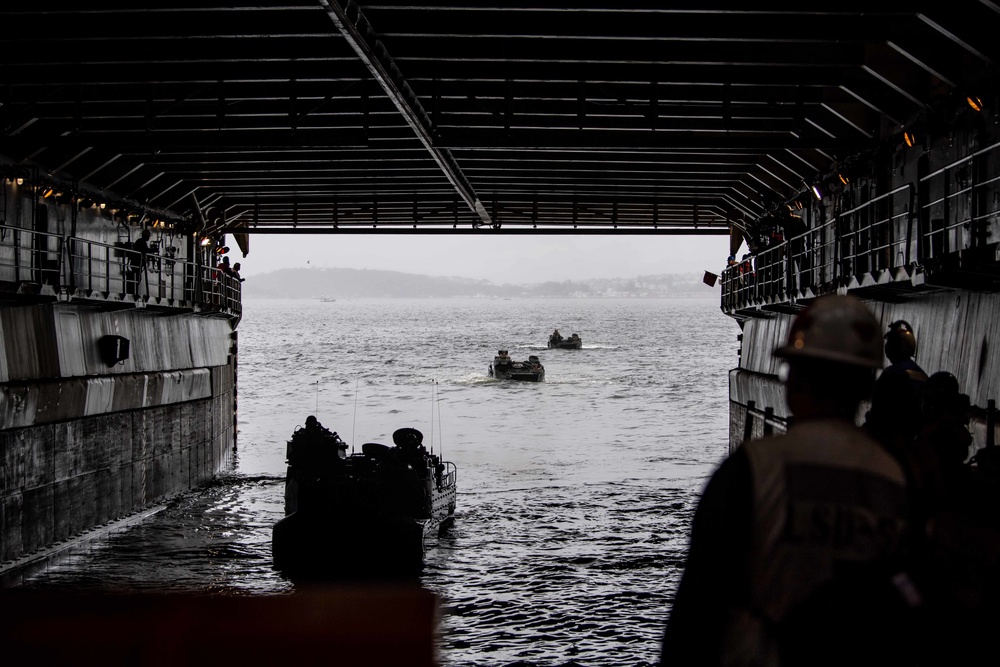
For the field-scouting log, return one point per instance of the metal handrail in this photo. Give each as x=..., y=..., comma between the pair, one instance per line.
x=91, y=269
x=957, y=220
x=873, y=236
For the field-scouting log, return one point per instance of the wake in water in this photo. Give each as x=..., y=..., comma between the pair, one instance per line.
x=574, y=493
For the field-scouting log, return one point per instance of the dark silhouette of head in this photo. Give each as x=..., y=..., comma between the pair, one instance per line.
x=942, y=397
x=900, y=342
x=408, y=437
x=833, y=350
x=311, y=421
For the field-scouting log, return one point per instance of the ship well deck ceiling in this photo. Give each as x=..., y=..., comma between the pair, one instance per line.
x=606, y=117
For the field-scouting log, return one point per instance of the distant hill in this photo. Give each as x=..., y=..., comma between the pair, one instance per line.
x=372, y=283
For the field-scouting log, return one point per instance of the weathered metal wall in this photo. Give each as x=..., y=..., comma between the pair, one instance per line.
x=63, y=478
x=956, y=332
x=83, y=442
x=760, y=336
x=52, y=341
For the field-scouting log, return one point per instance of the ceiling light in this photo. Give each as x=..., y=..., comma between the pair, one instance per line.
x=974, y=102
x=205, y=241
x=815, y=189
x=909, y=139
x=843, y=179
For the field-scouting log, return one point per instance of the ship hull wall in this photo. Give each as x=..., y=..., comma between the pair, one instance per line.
x=953, y=329
x=82, y=442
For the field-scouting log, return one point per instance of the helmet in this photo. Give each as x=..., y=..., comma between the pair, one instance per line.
x=942, y=395
x=900, y=343
x=407, y=437
x=836, y=328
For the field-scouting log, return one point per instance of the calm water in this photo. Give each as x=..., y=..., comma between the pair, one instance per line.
x=574, y=494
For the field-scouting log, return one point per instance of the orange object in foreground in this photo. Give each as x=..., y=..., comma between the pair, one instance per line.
x=375, y=626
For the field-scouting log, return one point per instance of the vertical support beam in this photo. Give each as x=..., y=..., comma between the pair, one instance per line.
x=508, y=110
x=220, y=109
x=654, y=104
x=991, y=422
x=293, y=120
x=727, y=111
x=435, y=104
x=365, y=111
x=748, y=422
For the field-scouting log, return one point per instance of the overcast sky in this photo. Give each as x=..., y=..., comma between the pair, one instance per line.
x=500, y=259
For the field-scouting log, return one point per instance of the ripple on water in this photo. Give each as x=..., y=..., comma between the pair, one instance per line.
x=575, y=494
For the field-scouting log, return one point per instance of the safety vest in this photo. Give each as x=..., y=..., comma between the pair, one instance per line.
x=825, y=496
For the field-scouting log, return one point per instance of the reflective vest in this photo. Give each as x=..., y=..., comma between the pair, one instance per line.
x=825, y=495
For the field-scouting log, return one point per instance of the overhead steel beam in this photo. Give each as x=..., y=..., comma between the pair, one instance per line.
x=504, y=231
x=363, y=40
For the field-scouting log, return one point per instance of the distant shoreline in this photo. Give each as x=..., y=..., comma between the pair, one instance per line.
x=486, y=298
x=338, y=284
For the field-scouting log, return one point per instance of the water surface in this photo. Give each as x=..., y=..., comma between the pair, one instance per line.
x=575, y=494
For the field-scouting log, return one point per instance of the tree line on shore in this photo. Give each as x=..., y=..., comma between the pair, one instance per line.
x=374, y=283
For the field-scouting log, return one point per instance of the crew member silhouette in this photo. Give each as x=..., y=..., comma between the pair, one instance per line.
x=770, y=543
x=137, y=262
x=900, y=349
x=894, y=418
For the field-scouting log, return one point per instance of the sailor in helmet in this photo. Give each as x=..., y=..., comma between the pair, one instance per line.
x=900, y=350
x=789, y=522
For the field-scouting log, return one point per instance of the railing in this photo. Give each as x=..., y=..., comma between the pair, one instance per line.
x=450, y=475
x=91, y=269
x=812, y=260
x=959, y=216
x=877, y=235
x=856, y=245
x=733, y=294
